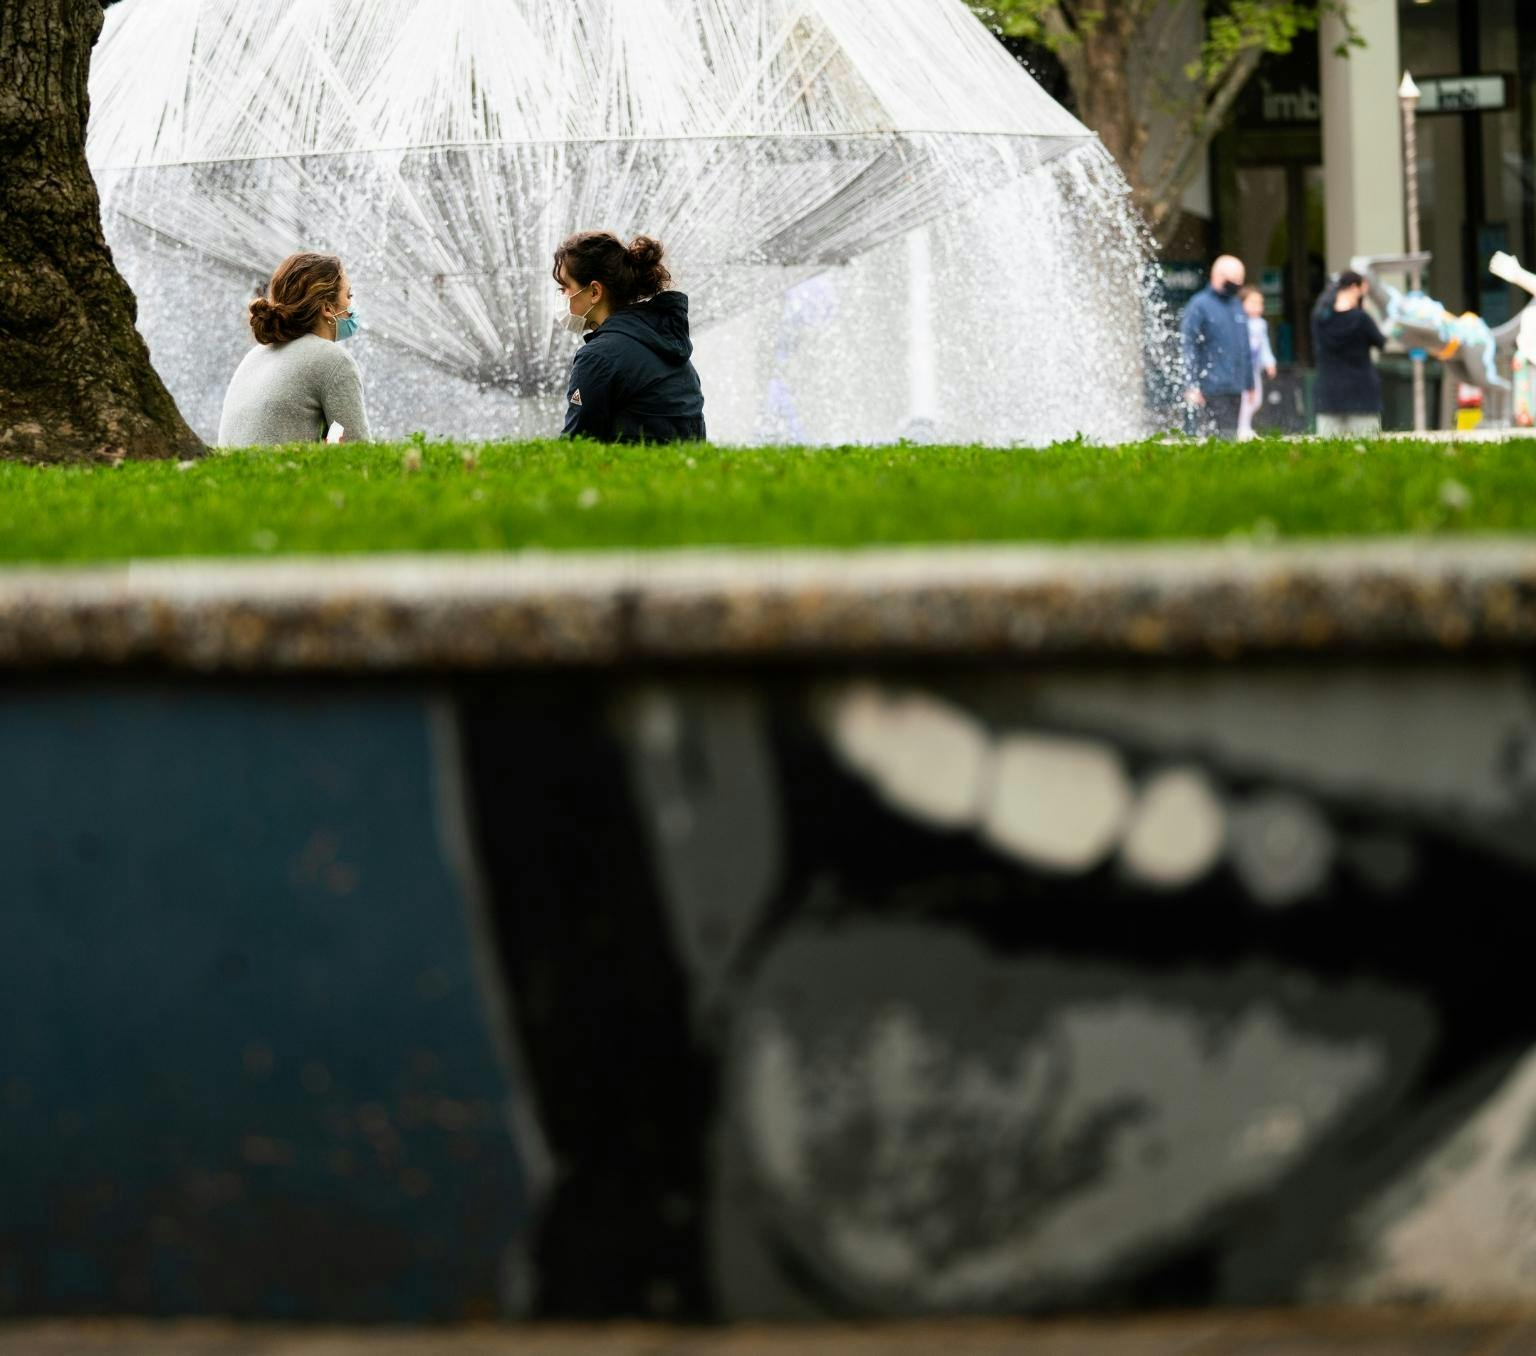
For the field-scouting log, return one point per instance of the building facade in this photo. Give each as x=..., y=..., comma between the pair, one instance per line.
x=1310, y=171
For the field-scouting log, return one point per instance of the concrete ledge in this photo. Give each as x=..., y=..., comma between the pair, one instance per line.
x=487, y=612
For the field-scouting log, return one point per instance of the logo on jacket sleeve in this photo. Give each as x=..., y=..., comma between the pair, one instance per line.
x=576, y=396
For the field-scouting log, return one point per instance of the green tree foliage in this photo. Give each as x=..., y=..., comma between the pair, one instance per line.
x=1127, y=60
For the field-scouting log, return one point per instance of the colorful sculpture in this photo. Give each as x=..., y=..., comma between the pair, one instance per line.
x=1473, y=353
x=1507, y=267
x=1421, y=324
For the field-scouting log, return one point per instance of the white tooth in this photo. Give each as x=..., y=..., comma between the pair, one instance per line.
x=1176, y=830
x=1056, y=802
x=857, y=721
x=926, y=757
x=933, y=761
x=1282, y=848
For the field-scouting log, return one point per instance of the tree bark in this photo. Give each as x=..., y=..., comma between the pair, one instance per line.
x=1106, y=101
x=1098, y=66
x=75, y=378
x=1117, y=106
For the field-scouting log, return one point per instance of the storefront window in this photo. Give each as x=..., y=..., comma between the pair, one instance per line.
x=1507, y=174
x=1474, y=177
x=1268, y=178
x=1279, y=236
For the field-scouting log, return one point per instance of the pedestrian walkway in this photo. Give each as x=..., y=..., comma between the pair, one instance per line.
x=1337, y=1334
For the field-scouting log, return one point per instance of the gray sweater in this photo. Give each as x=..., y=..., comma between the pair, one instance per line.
x=292, y=393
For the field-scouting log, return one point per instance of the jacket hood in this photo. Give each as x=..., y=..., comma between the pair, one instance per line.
x=661, y=324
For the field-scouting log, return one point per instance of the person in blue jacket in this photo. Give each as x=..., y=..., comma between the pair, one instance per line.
x=631, y=380
x=1213, y=330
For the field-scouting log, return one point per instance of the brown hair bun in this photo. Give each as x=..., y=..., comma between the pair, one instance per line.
x=267, y=322
x=630, y=272
x=645, y=255
x=298, y=293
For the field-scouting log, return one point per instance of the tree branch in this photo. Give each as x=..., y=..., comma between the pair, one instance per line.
x=1118, y=55
x=1229, y=87
x=1067, y=46
x=1158, y=58
x=1182, y=162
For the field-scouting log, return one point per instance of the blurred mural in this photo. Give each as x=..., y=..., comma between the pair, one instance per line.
x=937, y=991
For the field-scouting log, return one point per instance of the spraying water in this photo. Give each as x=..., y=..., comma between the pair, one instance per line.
x=885, y=226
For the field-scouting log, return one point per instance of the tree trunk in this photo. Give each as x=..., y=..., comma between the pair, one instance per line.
x=1107, y=103
x=75, y=379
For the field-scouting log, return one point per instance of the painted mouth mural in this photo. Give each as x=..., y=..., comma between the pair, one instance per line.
x=1094, y=989
x=938, y=991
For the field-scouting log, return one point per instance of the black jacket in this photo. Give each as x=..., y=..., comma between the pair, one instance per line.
x=1347, y=380
x=632, y=382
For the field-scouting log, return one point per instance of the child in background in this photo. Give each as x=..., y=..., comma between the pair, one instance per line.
x=1263, y=358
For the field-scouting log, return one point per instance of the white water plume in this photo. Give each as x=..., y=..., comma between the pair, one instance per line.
x=784, y=150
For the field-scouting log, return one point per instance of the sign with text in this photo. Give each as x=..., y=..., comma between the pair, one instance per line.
x=1180, y=280
x=1284, y=92
x=1301, y=103
x=1463, y=94
x=1272, y=285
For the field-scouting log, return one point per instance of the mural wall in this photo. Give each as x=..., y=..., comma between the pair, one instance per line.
x=939, y=990
x=246, y=1060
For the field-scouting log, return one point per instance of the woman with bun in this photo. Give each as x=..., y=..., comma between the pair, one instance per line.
x=631, y=380
x=297, y=382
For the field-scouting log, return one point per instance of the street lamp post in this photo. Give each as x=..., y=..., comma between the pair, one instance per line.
x=1408, y=97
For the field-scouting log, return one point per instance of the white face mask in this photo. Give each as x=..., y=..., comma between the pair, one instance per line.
x=569, y=321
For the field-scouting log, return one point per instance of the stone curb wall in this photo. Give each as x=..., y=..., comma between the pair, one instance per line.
x=412, y=613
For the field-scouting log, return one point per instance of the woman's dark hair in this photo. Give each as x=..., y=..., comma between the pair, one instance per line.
x=1349, y=278
x=630, y=272
x=300, y=289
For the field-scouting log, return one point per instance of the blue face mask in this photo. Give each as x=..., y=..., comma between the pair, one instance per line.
x=346, y=325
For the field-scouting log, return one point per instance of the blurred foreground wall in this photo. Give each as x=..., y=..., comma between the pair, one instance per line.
x=841, y=989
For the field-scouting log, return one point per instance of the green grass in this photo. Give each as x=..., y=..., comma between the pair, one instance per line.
x=498, y=496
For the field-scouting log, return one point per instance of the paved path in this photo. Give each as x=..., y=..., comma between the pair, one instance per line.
x=1348, y=1334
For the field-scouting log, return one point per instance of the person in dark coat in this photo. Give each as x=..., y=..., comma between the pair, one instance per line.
x=632, y=380
x=1213, y=331
x=1348, y=385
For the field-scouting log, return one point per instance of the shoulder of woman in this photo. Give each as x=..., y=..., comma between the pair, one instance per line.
x=323, y=353
x=596, y=357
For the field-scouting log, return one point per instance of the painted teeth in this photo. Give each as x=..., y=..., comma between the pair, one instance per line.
x=924, y=756
x=1065, y=803
x=1282, y=849
x=1176, y=831
x=1056, y=802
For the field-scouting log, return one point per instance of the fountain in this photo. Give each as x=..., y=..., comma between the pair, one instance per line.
x=886, y=227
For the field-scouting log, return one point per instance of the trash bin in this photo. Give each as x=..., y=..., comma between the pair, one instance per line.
x=1397, y=392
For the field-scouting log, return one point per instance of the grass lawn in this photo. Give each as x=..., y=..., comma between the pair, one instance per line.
x=497, y=496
